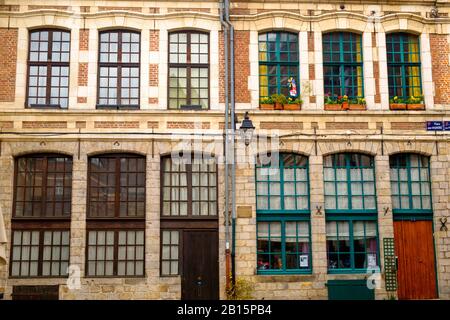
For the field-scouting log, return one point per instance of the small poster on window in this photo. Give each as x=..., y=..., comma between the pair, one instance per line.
x=304, y=261
x=371, y=260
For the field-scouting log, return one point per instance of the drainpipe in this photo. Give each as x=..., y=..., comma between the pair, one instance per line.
x=233, y=132
x=225, y=27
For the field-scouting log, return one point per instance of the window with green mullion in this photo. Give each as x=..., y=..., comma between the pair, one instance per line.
x=284, y=187
x=410, y=184
x=352, y=245
x=283, y=245
x=349, y=180
x=278, y=61
x=404, y=66
x=343, y=65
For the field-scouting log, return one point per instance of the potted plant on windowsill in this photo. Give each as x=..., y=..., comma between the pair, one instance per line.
x=415, y=103
x=357, y=104
x=345, y=103
x=397, y=103
x=280, y=100
x=266, y=103
x=293, y=104
x=332, y=104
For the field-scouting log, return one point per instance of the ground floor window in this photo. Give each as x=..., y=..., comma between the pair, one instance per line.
x=283, y=246
x=115, y=253
x=38, y=253
x=352, y=245
x=170, y=252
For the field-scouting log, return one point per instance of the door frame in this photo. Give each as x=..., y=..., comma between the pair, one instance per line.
x=430, y=218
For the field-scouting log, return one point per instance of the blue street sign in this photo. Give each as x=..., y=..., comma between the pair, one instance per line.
x=435, y=125
x=447, y=125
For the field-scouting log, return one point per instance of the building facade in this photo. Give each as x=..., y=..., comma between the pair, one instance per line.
x=112, y=118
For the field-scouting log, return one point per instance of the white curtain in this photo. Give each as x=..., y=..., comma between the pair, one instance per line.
x=2, y=239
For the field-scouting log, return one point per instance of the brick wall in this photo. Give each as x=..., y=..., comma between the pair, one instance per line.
x=440, y=61
x=154, y=75
x=44, y=124
x=8, y=58
x=242, y=65
x=221, y=69
x=116, y=124
x=84, y=39
x=154, y=40
x=376, y=69
x=83, y=74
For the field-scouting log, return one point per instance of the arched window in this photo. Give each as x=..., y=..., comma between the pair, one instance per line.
x=410, y=183
x=351, y=212
x=404, y=67
x=343, y=65
x=188, y=70
x=116, y=215
x=283, y=217
x=48, y=68
x=41, y=215
x=278, y=61
x=118, y=70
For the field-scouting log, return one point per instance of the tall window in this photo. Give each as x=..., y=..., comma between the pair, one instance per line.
x=116, y=215
x=283, y=219
x=351, y=212
x=41, y=216
x=278, y=61
x=118, y=77
x=48, y=69
x=343, y=65
x=410, y=183
x=188, y=70
x=188, y=201
x=403, y=55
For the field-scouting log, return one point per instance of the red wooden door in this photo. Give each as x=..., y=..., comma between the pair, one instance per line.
x=414, y=248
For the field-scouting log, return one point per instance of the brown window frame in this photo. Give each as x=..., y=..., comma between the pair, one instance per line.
x=49, y=64
x=115, y=223
x=188, y=65
x=119, y=65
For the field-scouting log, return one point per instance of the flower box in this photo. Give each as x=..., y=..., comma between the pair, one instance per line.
x=278, y=106
x=333, y=107
x=415, y=106
x=397, y=106
x=266, y=106
x=292, y=106
x=356, y=106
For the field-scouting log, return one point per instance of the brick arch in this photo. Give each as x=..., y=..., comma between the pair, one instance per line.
x=42, y=151
x=368, y=148
x=423, y=148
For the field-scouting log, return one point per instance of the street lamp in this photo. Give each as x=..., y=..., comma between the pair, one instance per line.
x=246, y=129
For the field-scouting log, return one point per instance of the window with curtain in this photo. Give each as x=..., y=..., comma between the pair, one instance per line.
x=410, y=183
x=41, y=216
x=189, y=194
x=343, y=65
x=118, y=70
x=404, y=67
x=48, y=69
x=188, y=70
x=116, y=216
x=278, y=61
x=351, y=212
x=283, y=218
x=349, y=183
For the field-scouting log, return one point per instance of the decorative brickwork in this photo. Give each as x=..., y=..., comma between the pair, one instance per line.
x=6, y=124
x=186, y=125
x=281, y=125
x=153, y=75
x=83, y=74
x=8, y=58
x=408, y=125
x=44, y=124
x=84, y=39
x=116, y=124
x=154, y=40
x=346, y=125
x=440, y=52
x=152, y=124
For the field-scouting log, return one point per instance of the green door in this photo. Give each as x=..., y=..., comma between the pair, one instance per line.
x=349, y=290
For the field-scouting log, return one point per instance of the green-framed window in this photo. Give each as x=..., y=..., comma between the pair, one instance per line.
x=283, y=218
x=343, y=65
x=352, y=245
x=278, y=61
x=349, y=180
x=404, y=66
x=410, y=183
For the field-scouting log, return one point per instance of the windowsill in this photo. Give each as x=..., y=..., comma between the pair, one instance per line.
x=45, y=106
x=117, y=107
x=347, y=271
x=285, y=277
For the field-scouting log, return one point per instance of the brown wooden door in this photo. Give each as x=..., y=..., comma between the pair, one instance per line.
x=414, y=248
x=200, y=279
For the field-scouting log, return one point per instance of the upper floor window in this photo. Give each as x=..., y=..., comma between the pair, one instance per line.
x=283, y=225
x=349, y=183
x=119, y=68
x=116, y=215
x=41, y=216
x=278, y=62
x=48, y=69
x=188, y=70
x=410, y=183
x=404, y=67
x=343, y=65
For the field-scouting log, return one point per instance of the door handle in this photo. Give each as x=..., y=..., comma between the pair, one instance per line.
x=396, y=263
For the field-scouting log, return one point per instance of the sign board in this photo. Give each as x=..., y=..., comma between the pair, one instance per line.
x=435, y=125
x=447, y=125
